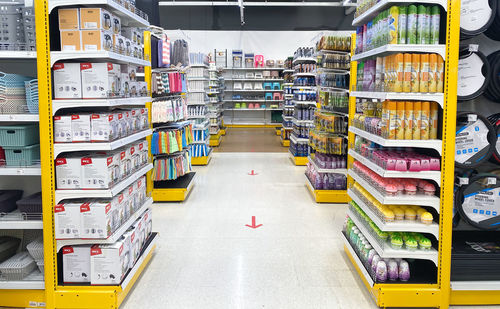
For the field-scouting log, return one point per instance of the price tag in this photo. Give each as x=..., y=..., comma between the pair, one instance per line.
x=20, y=171
x=492, y=181
x=463, y=181
x=472, y=117
x=33, y=303
x=473, y=47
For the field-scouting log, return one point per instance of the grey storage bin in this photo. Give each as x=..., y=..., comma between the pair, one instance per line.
x=8, y=200
x=17, y=267
x=19, y=135
x=35, y=249
x=30, y=204
x=8, y=247
x=22, y=156
x=40, y=266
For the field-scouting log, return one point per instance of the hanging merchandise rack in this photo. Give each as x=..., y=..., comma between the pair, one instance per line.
x=410, y=226
x=326, y=174
x=216, y=108
x=288, y=106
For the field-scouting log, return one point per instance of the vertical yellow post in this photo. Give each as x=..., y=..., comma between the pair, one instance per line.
x=46, y=146
x=352, y=108
x=147, y=79
x=448, y=151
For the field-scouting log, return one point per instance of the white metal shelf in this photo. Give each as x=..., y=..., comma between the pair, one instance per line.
x=21, y=171
x=328, y=88
x=297, y=140
x=127, y=17
x=254, y=90
x=361, y=266
x=257, y=100
x=475, y=285
x=305, y=102
x=114, y=237
x=304, y=74
x=396, y=226
x=386, y=251
x=402, y=96
x=103, y=193
x=418, y=199
x=99, y=146
x=16, y=221
x=302, y=121
x=327, y=170
x=17, y=54
x=433, y=175
x=304, y=87
x=304, y=59
x=254, y=69
x=197, y=78
x=253, y=79
x=333, y=71
x=19, y=118
x=197, y=116
x=402, y=48
x=372, y=12
x=114, y=102
x=56, y=56
x=337, y=52
x=431, y=144
x=33, y=281
x=138, y=265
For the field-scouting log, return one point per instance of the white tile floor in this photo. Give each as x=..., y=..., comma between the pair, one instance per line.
x=207, y=257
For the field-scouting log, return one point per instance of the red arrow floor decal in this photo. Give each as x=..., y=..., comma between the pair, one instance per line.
x=253, y=224
x=252, y=173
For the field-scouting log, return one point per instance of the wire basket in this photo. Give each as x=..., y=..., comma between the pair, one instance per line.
x=35, y=249
x=17, y=267
x=31, y=88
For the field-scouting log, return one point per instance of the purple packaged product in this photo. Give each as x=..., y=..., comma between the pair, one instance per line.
x=375, y=261
x=371, y=254
x=318, y=182
x=393, y=270
x=364, y=37
x=404, y=271
x=381, y=272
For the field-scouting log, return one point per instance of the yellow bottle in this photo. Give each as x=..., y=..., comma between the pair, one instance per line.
x=424, y=120
x=417, y=116
x=432, y=73
x=399, y=67
x=424, y=73
x=433, y=121
x=400, y=120
x=440, y=74
x=408, y=120
x=384, y=121
x=393, y=119
x=407, y=73
x=415, y=73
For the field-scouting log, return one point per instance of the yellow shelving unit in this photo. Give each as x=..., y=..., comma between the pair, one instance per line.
x=422, y=295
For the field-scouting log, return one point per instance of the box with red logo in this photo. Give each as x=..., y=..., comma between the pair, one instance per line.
x=76, y=264
x=140, y=190
x=142, y=150
x=67, y=220
x=67, y=80
x=103, y=127
x=62, y=129
x=119, y=204
x=109, y=263
x=127, y=117
x=99, y=171
x=147, y=222
x=135, y=241
x=130, y=199
x=98, y=219
x=80, y=127
x=99, y=80
x=134, y=155
x=125, y=163
x=142, y=118
x=69, y=172
x=121, y=125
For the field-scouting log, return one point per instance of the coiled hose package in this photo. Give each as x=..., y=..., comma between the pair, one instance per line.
x=476, y=17
x=495, y=122
x=473, y=74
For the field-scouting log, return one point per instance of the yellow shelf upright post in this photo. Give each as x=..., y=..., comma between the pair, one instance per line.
x=147, y=79
x=448, y=151
x=44, y=70
x=352, y=109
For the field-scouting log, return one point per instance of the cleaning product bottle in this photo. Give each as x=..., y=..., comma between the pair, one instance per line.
x=399, y=63
x=400, y=120
x=433, y=121
x=393, y=121
x=408, y=120
x=424, y=121
x=435, y=23
x=424, y=73
x=402, y=23
x=417, y=117
x=411, y=27
x=415, y=73
x=432, y=73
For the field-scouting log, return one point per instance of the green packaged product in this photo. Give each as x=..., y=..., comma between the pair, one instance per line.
x=411, y=26
x=393, y=24
x=402, y=25
x=434, y=25
x=422, y=25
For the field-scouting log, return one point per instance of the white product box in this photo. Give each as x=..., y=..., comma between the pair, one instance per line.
x=147, y=222
x=127, y=115
x=128, y=47
x=62, y=129
x=76, y=264
x=104, y=127
x=67, y=220
x=119, y=43
x=99, y=80
x=67, y=80
x=127, y=240
x=99, y=171
x=140, y=190
x=142, y=148
x=142, y=89
x=144, y=119
x=135, y=241
x=135, y=156
x=125, y=163
x=109, y=263
x=124, y=84
x=133, y=88
x=136, y=118
x=117, y=203
x=80, y=127
x=131, y=33
x=116, y=24
x=98, y=219
x=69, y=172
x=130, y=199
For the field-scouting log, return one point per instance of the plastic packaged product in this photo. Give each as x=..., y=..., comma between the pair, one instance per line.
x=417, y=118
x=393, y=270
x=393, y=24
x=402, y=23
x=381, y=272
x=404, y=271
x=400, y=120
x=424, y=73
x=415, y=72
x=408, y=125
x=432, y=73
x=440, y=74
x=411, y=28
x=392, y=107
x=375, y=260
x=434, y=25
x=422, y=25
x=424, y=122
x=426, y=218
x=378, y=74
x=433, y=120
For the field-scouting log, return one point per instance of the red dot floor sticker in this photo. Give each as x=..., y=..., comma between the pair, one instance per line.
x=253, y=173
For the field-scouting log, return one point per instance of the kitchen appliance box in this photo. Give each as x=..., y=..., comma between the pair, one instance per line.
x=76, y=264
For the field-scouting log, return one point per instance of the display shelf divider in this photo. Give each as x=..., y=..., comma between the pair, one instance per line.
x=111, y=102
x=402, y=48
x=403, y=96
x=327, y=170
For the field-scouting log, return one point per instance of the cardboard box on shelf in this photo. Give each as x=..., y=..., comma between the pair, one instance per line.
x=62, y=129
x=67, y=80
x=104, y=127
x=99, y=80
x=147, y=222
x=69, y=19
x=109, y=263
x=93, y=40
x=125, y=163
x=69, y=172
x=116, y=24
x=76, y=264
x=67, y=220
x=95, y=19
x=99, y=171
x=98, y=219
x=71, y=40
x=80, y=127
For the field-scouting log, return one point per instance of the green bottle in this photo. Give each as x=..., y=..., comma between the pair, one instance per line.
x=411, y=26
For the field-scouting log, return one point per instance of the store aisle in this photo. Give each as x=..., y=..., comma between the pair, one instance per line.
x=208, y=258
x=251, y=140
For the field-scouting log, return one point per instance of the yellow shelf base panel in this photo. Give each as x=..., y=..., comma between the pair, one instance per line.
x=472, y=297
x=22, y=298
x=93, y=297
x=250, y=125
x=201, y=160
x=215, y=140
x=278, y=132
x=285, y=142
x=298, y=161
x=394, y=295
x=178, y=194
x=328, y=196
x=223, y=132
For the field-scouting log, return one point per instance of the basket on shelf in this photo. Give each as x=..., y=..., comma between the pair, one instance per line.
x=31, y=88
